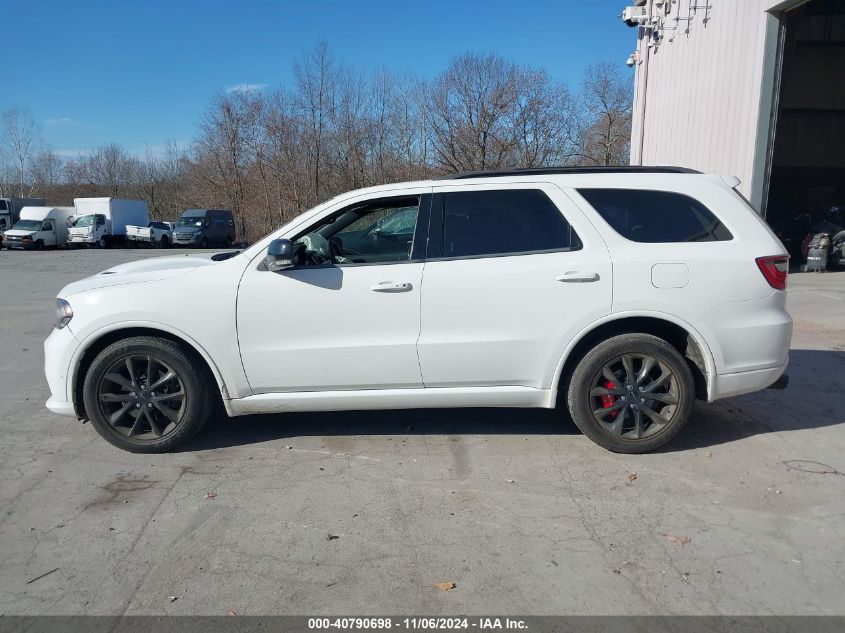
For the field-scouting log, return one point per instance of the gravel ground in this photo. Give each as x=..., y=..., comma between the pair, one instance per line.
x=362, y=512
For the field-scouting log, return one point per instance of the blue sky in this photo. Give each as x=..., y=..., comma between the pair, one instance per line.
x=140, y=72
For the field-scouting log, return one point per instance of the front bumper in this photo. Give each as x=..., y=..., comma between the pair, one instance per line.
x=17, y=242
x=196, y=238
x=81, y=239
x=59, y=350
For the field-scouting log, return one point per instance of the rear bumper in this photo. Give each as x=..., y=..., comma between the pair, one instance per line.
x=729, y=385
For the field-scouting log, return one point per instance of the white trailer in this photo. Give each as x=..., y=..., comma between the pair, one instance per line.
x=102, y=221
x=39, y=227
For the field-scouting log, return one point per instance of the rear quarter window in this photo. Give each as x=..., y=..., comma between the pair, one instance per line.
x=656, y=216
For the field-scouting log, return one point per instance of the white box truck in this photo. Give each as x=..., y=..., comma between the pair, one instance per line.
x=102, y=221
x=39, y=227
x=10, y=209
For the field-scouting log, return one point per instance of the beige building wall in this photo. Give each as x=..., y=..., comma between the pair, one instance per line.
x=704, y=94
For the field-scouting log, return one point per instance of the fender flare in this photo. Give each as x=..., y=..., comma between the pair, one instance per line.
x=92, y=338
x=703, y=345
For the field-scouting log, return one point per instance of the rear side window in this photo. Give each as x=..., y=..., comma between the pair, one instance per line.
x=656, y=216
x=503, y=222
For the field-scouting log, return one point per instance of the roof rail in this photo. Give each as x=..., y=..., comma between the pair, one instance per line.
x=546, y=171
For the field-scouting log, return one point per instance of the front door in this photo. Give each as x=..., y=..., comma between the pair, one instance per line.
x=518, y=272
x=347, y=316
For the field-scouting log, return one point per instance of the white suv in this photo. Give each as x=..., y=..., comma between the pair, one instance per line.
x=622, y=294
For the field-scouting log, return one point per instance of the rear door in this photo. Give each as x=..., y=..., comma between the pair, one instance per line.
x=513, y=274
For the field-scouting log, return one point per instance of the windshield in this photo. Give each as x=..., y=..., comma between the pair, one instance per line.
x=85, y=220
x=28, y=225
x=191, y=220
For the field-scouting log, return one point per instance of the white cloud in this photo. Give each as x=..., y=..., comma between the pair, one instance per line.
x=71, y=153
x=246, y=87
x=69, y=122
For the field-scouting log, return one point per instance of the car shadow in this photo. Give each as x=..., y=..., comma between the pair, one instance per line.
x=816, y=378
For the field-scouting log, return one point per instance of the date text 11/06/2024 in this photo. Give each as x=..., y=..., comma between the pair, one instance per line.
x=420, y=623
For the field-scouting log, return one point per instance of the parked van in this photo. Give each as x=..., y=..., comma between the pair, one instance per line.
x=10, y=209
x=39, y=227
x=204, y=228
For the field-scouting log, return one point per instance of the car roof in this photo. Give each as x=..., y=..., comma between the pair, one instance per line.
x=624, y=176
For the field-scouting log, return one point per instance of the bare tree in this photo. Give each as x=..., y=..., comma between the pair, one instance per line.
x=21, y=135
x=473, y=108
x=221, y=156
x=604, y=133
x=112, y=170
x=316, y=76
x=45, y=170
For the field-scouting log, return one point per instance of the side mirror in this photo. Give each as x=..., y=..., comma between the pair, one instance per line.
x=279, y=255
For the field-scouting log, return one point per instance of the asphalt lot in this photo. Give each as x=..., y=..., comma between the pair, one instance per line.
x=360, y=513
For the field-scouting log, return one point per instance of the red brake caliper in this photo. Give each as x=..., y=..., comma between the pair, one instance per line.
x=608, y=401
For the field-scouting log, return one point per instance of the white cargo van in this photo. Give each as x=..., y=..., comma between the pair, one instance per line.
x=39, y=227
x=102, y=221
x=10, y=209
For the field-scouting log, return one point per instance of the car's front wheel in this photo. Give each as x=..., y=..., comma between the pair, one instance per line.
x=146, y=395
x=631, y=393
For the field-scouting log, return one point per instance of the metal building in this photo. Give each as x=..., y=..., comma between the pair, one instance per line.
x=751, y=88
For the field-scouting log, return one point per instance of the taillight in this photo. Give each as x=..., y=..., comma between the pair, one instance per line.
x=774, y=269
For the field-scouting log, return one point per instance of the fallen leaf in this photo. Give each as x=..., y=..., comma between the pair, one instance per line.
x=232, y=612
x=331, y=537
x=632, y=476
x=510, y=481
x=708, y=455
x=173, y=598
x=210, y=495
x=680, y=540
x=445, y=586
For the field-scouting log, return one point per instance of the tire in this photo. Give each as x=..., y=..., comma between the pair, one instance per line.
x=103, y=243
x=162, y=428
x=38, y=246
x=164, y=242
x=204, y=243
x=623, y=419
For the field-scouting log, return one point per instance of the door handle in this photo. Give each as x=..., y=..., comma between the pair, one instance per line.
x=390, y=286
x=578, y=277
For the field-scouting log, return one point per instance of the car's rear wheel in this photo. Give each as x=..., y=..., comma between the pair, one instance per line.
x=146, y=395
x=631, y=393
x=164, y=242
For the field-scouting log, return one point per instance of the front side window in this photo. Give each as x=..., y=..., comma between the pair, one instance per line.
x=48, y=226
x=656, y=216
x=503, y=222
x=370, y=233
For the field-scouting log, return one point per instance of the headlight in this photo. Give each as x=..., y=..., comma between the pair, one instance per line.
x=64, y=313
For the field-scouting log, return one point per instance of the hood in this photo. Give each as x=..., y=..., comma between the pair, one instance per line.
x=151, y=269
x=18, y=233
